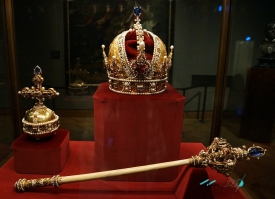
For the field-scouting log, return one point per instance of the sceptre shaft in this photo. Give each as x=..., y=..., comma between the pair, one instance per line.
x=219, y=156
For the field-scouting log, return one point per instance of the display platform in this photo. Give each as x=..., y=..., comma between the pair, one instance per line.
x=118, y=119
x=185, y=186
x=46, y=156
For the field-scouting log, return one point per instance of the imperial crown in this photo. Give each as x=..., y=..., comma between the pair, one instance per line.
x=137, y=62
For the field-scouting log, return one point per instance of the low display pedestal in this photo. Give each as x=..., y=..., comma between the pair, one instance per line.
x=47, y=156
x=135, y=130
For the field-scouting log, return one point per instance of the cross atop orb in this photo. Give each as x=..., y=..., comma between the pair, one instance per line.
x=37, y=91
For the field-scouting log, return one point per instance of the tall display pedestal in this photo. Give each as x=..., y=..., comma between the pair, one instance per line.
x=135, y=130
x=47, y=156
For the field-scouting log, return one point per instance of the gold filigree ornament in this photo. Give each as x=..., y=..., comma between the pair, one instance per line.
x=222, y=157
x=40, y=121
x=133, y=65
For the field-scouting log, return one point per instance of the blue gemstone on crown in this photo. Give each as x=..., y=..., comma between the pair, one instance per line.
x=37, y=70
x=256, y=151
x=137, y=10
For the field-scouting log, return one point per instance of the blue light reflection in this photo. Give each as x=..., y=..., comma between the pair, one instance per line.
x=248, y=38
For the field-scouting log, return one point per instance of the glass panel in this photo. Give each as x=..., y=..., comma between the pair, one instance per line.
x=41, y=39
x=64, y=38
x=195, y=64
x=40, y=31
x=248, y=116
x=6, y=122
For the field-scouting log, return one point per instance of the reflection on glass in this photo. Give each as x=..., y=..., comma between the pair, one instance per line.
x=196, y=42
x=78, y=86
x=267, y=46
x=249, y=112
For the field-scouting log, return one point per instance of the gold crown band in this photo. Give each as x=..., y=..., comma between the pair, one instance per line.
x=137, y=87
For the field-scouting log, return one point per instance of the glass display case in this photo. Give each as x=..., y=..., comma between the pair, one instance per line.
x=217, y=78
x=248, y=113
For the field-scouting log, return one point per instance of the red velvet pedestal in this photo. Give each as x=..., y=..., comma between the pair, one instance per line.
x=47, y=156
x=134, y=130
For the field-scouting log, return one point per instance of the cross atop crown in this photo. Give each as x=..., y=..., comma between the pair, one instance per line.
x=37, y=91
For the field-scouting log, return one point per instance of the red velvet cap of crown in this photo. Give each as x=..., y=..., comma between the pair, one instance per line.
x=131, y=46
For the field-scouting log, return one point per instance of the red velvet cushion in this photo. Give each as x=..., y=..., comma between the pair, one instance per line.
x=131, y=46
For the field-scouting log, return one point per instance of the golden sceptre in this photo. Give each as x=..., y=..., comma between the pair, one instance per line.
x=219, y=156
